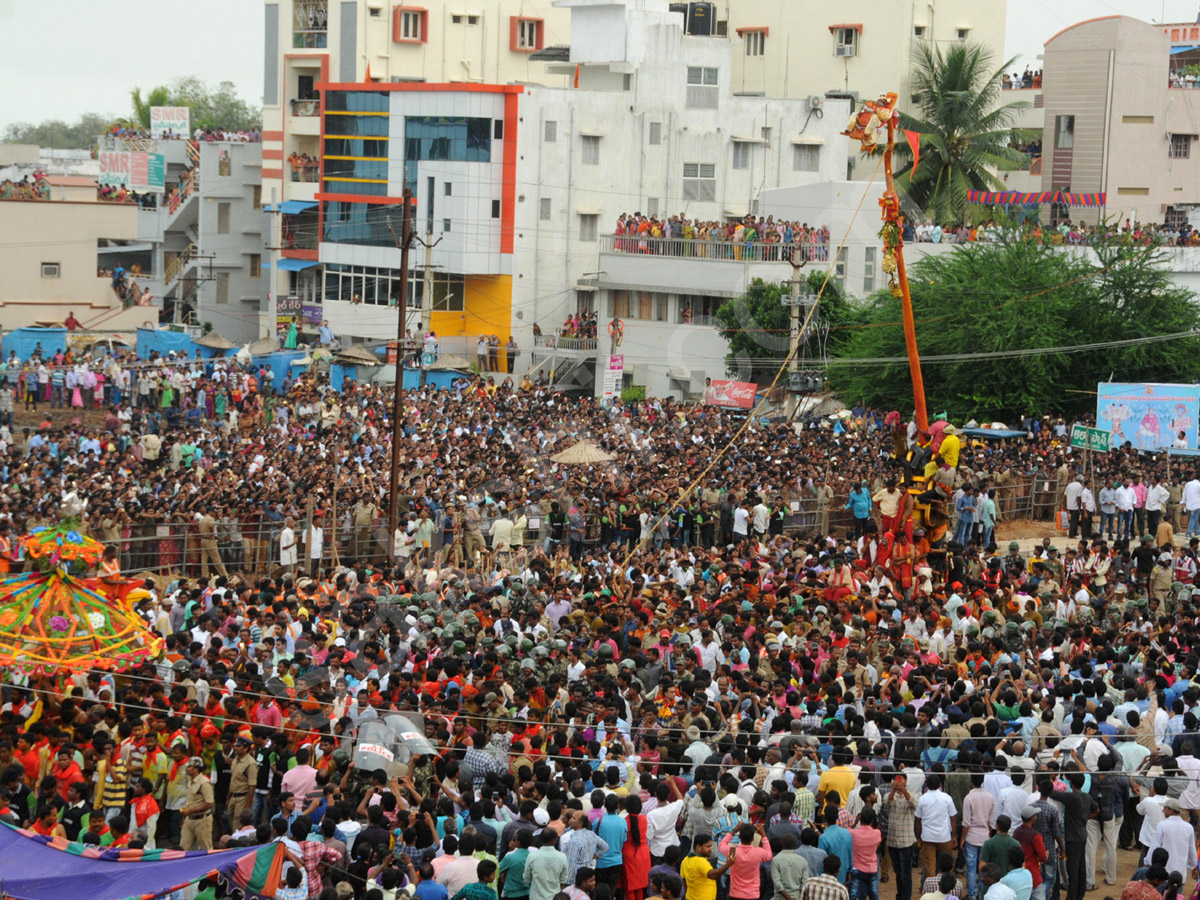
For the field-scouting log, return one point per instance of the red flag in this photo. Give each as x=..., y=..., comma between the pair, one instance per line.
x=576, y=76
x=914, y=141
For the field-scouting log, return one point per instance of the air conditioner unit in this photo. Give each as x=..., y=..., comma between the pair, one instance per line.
x=815, y=102
x=844, y=50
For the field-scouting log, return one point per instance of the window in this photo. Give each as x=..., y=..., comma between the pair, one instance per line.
x=741, y=154
x=587, y=226
x=222, y=218
x=375, y=11
x=765, y=132
x=1064, y=132
x=472, y=20
x=51, y=270
x=497, y=129
x=1181, y=146
x=310, y=23
x=1137, y=120
x=550, y=132
x=451, y=138
x=700, y=182
x=1175, y=218
x=806, y=158
x=256, y=195
x=619, y=301
x=448, y=292
x=702, y=88
x=962, y=33
x=544, y=209
x=591, y=150
x=756, y=42
x=868, y=270
x=495, y=209
x=222, y=287
x=655, y=135
x=255, y=265
x=445, y=224
x=697, y=309
x=652, y=206
x=919, y=31
x=839, y=269
x=846, y=41
x=449, y=188
x=525, y=35
x=456, y=20
x=410, y=25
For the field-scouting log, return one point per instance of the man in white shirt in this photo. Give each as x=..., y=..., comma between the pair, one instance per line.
x=762, y=518
x=287, y=545
x=1177, y=837
x=741, y=520
x=1150, y=808
x=660, y=821
x=1191, y=503
x=1157, y=497
x=1125, y=501
x=935, y=822
x=1074, y=507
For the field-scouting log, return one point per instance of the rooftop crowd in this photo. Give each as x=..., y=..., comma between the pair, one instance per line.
x=651, y=677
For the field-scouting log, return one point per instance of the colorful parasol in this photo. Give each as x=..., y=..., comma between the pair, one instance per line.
x=55, y=624
x=62, y=546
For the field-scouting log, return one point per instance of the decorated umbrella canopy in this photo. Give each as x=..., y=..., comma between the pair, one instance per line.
x=1033, y=198
x=582, y=454
x=357, y=355
x=448, y=362
x=215, y=341
x=53, y=623
x=264, y=346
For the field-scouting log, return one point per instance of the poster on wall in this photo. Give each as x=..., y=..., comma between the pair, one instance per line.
x=287, y=310
x=175, y=120
x=730, y=394
x=614, y=370
x=1149, y=416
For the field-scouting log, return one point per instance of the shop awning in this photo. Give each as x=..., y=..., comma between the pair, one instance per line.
x=293, y=265
x=295, y=207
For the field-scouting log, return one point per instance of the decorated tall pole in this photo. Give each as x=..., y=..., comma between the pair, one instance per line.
x=875, y=115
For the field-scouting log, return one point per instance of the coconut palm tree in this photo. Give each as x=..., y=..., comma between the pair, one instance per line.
x=965, y=132
x=158, y=96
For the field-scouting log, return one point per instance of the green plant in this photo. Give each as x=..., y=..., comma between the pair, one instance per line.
x=633, y=392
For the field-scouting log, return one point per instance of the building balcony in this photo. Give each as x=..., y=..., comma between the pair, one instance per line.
x=679, y=265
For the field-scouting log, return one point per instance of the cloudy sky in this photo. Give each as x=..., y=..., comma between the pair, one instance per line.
x=66, y=57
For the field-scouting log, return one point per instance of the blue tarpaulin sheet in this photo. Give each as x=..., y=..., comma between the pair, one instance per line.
x=36, y=868
x=25, y=340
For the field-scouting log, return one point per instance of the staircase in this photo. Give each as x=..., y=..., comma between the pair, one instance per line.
x=180, y=264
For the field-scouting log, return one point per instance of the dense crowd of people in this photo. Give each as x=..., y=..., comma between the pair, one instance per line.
x=30, y=187
x=741, y=659
x=747, y=238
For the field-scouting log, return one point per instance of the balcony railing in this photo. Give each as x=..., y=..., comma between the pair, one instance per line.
x=308, y=107
x=719, y=251
x=564, y=342
x=305, y=169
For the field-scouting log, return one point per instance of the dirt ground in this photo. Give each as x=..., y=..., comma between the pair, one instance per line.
x=1126, y=864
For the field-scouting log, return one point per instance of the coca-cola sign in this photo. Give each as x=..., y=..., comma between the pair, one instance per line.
x=733, y=394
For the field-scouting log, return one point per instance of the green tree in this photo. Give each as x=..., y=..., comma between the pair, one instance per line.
x=966, y=133
x=218, y=108
x=757, y=324
x=1018, y=295
x=78, y=135
x=158, y=96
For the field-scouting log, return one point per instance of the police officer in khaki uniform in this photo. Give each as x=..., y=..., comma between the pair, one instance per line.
x=243, y=775
x=197, y=810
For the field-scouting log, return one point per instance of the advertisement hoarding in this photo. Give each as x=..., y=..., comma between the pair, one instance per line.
x=1149, y=416
x=173, y=119
x=730, y=394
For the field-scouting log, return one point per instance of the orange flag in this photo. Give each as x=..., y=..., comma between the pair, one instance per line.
x=914, y=141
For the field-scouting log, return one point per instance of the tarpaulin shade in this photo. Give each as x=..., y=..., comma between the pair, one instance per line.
x=293, y=207
x=1031, y=198
x=293, y=265
x=37, y=867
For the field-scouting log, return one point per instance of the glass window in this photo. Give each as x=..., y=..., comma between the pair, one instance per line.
x=544, y=209
x=1181, y=146
x=353, y=126
x=376, y=148
x=550, y=132
x=619, y=302
x=448, y=292
x=587, y=227
x=223, y=218
x=868, y=269
x=756, y=43
x=591, y=150
x=702, y=88
x=255, y=265
x=452, y=138
x=655, y=135
x=699, y=182
x=741, y=154
x=806, y=158
x=356, y=168
x=1064, y=132
x=360, y=223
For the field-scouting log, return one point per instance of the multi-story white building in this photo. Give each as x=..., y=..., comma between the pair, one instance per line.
x=517, y=188
x=206, y=237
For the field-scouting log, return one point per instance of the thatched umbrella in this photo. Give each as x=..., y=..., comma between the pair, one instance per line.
x=357, y=355
x=449, y=361
x=215, y=341
x=582, y=454
x=263, y=346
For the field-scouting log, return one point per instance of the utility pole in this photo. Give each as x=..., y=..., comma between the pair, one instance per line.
x=398, y=398
x=794, y=345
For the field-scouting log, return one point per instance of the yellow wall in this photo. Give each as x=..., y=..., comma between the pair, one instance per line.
x=487, y=309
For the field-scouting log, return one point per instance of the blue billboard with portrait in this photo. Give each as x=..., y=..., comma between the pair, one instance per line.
x=1149, y=416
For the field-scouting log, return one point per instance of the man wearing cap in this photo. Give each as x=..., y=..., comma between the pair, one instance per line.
x=1034, y=848
x=1177, y=837
x=197, y=808
x=243, y=774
